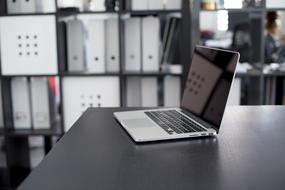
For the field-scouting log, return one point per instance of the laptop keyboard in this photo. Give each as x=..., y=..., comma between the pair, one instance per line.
x=173, y=121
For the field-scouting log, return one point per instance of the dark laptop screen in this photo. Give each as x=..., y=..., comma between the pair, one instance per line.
x=208, y=84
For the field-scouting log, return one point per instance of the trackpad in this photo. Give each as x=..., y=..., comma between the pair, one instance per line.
x=138, y=123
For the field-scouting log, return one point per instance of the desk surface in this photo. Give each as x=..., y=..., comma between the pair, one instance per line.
x=249, y=153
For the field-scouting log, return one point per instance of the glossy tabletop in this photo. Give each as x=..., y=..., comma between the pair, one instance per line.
x=97, y=154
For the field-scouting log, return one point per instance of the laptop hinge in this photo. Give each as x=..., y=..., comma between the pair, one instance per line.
x=195, y=118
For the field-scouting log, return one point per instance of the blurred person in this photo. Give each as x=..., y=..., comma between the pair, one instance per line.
x=274, y=48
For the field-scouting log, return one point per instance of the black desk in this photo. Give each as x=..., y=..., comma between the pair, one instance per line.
x=97, y=154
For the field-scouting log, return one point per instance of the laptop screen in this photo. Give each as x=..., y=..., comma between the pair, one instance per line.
x=208, y=84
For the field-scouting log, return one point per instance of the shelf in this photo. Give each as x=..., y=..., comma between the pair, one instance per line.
x=33, y=75
x=149, y=12
x=275, y=74
x=27, y=14
x=235, y=10
x=82, y=74
x=250, y=73
x=55, y=130
x=151, y=74
x=70, y=13
x=275, y=9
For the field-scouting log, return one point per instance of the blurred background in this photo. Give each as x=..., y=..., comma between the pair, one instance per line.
x=60, y=57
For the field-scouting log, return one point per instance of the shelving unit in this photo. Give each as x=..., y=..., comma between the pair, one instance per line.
x=17, y=147
x=257, y=72
x=16, y=141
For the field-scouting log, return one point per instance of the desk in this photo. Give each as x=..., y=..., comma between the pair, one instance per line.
x=97, y=154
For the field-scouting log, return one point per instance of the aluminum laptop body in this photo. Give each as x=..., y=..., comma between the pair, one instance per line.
x=203, y=103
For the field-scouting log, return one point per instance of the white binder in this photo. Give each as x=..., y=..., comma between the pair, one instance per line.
x=45, y=6
x=139, y=4
x=150, y=44
x=21, y=103
x=134, y=89
x=28, y=6
x=40, y=103
x=275, y=4
x=171, y=91
x=96, y=92
x=149, y=92
x=97, y=5
x=14, y=6
x=133, y=44
x=71, y=3
x=155, y=4
x=28, y=45
x=21, y=6
x=75, y=45
x=173, y=4
x=112, y=45
x=96, y=46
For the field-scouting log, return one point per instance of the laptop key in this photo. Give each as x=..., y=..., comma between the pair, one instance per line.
x=172, y=121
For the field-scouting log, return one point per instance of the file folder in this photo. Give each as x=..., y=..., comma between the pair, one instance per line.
x=171, y=91
x=21, y=103
x=139, y=4
x=40, y=103
x=155, y=4
x=133, y=45
x=96, y=46
x=275, y=4
x=45, y=6
x=149, y=91
x=150, y=44
x=97, y=5
x=75, y=45
x=21, y=6
x=173, y=4
x=134, y=92
x=112, y=45
x=96, y=92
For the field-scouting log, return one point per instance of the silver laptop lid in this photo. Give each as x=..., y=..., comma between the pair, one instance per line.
x=208, y=84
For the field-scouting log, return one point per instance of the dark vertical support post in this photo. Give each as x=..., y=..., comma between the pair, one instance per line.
x=279, y=90
x=3, y=6
x=122, y=78
x=257, y=39
x=17, y=148
x=18, y=159
x=186, y=38
x=262, y=55
x=47, y=144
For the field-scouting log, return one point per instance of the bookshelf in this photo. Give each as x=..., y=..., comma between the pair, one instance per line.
x=16, y=140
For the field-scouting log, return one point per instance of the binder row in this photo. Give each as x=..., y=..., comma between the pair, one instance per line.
x=144, y=49
x=30, y=6
x=142, y=44
x=143, y=92
x=155, y=4
x=33, y=103
x=93, y=47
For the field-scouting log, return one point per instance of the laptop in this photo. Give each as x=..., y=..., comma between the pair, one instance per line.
x=203, y=103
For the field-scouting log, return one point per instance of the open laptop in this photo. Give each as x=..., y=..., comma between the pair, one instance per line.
x=203, y=103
